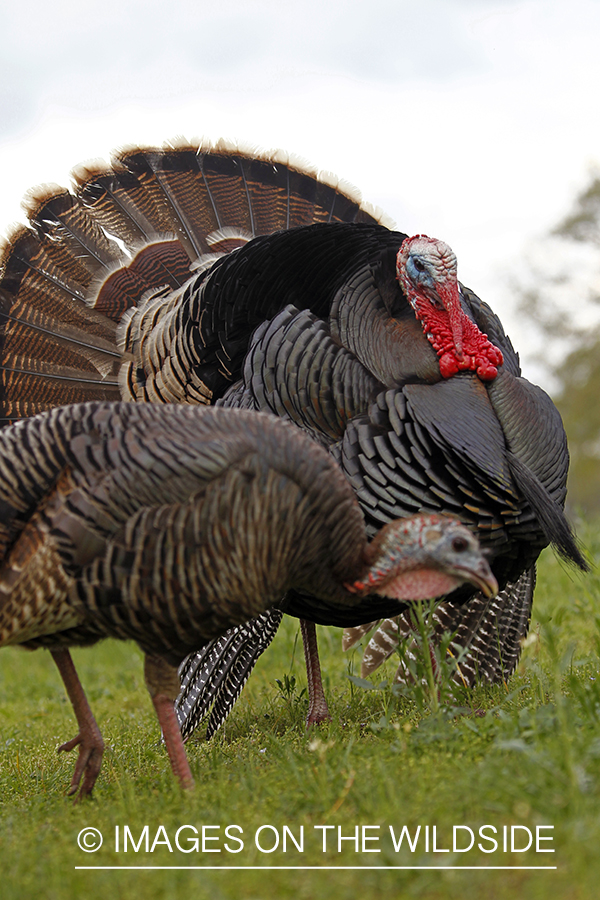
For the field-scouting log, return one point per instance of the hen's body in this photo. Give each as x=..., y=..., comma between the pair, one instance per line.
x=106, y=500
x=170, y=524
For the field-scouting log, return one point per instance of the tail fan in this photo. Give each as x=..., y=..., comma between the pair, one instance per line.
x=127, y=229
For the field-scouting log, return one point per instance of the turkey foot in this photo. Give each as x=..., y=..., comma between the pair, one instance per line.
x=91, y=748
x=318, y=710
x=89, y=739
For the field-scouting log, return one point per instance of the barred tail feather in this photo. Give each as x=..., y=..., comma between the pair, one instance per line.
x=488, y=634
x=215, y=676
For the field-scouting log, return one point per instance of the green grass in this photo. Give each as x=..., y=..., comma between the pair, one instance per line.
x=385, y=760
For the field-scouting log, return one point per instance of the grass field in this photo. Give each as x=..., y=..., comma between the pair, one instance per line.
x=386, y=761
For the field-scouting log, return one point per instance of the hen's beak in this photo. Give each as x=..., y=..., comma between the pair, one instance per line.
x=481, y=576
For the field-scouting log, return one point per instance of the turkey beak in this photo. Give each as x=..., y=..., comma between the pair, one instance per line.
x=450, y=298
x=482, y=577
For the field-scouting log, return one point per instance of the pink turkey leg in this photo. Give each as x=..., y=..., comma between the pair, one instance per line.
x=169, y=724
x=163, y=685
x=89, y=740
x=317, y=704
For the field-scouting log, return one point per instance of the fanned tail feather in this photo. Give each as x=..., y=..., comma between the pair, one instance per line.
x=134, y=226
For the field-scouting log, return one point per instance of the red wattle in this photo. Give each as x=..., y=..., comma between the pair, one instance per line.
x=478, y=353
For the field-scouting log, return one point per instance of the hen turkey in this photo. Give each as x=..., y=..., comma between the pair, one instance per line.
x=148, y=282
x=169, y=524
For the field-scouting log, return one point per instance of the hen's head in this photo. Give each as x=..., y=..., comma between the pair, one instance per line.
x=427, y=273
x=426, y=555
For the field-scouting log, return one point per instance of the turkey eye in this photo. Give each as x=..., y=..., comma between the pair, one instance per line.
x=419, y=266
x=459, y=544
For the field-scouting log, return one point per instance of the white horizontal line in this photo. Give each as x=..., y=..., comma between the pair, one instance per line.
x=317, y=868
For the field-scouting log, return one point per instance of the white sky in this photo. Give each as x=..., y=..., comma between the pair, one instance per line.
x=474, y=121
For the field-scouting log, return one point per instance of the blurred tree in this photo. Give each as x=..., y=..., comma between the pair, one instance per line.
x=579, y=405
x=563, y=299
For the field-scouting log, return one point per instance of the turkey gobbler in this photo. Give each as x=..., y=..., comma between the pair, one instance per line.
x=481, y=443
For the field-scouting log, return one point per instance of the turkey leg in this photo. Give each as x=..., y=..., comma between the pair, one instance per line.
x=89, y=740
x=162, y=681
x=318, y=710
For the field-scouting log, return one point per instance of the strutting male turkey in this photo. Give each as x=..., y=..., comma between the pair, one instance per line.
x=210, y=275
x=170, y=524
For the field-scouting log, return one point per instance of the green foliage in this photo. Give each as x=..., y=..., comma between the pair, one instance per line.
x=288, y=688
x=526, y=754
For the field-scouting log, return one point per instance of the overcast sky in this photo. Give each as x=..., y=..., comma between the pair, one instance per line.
x=475, y=121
